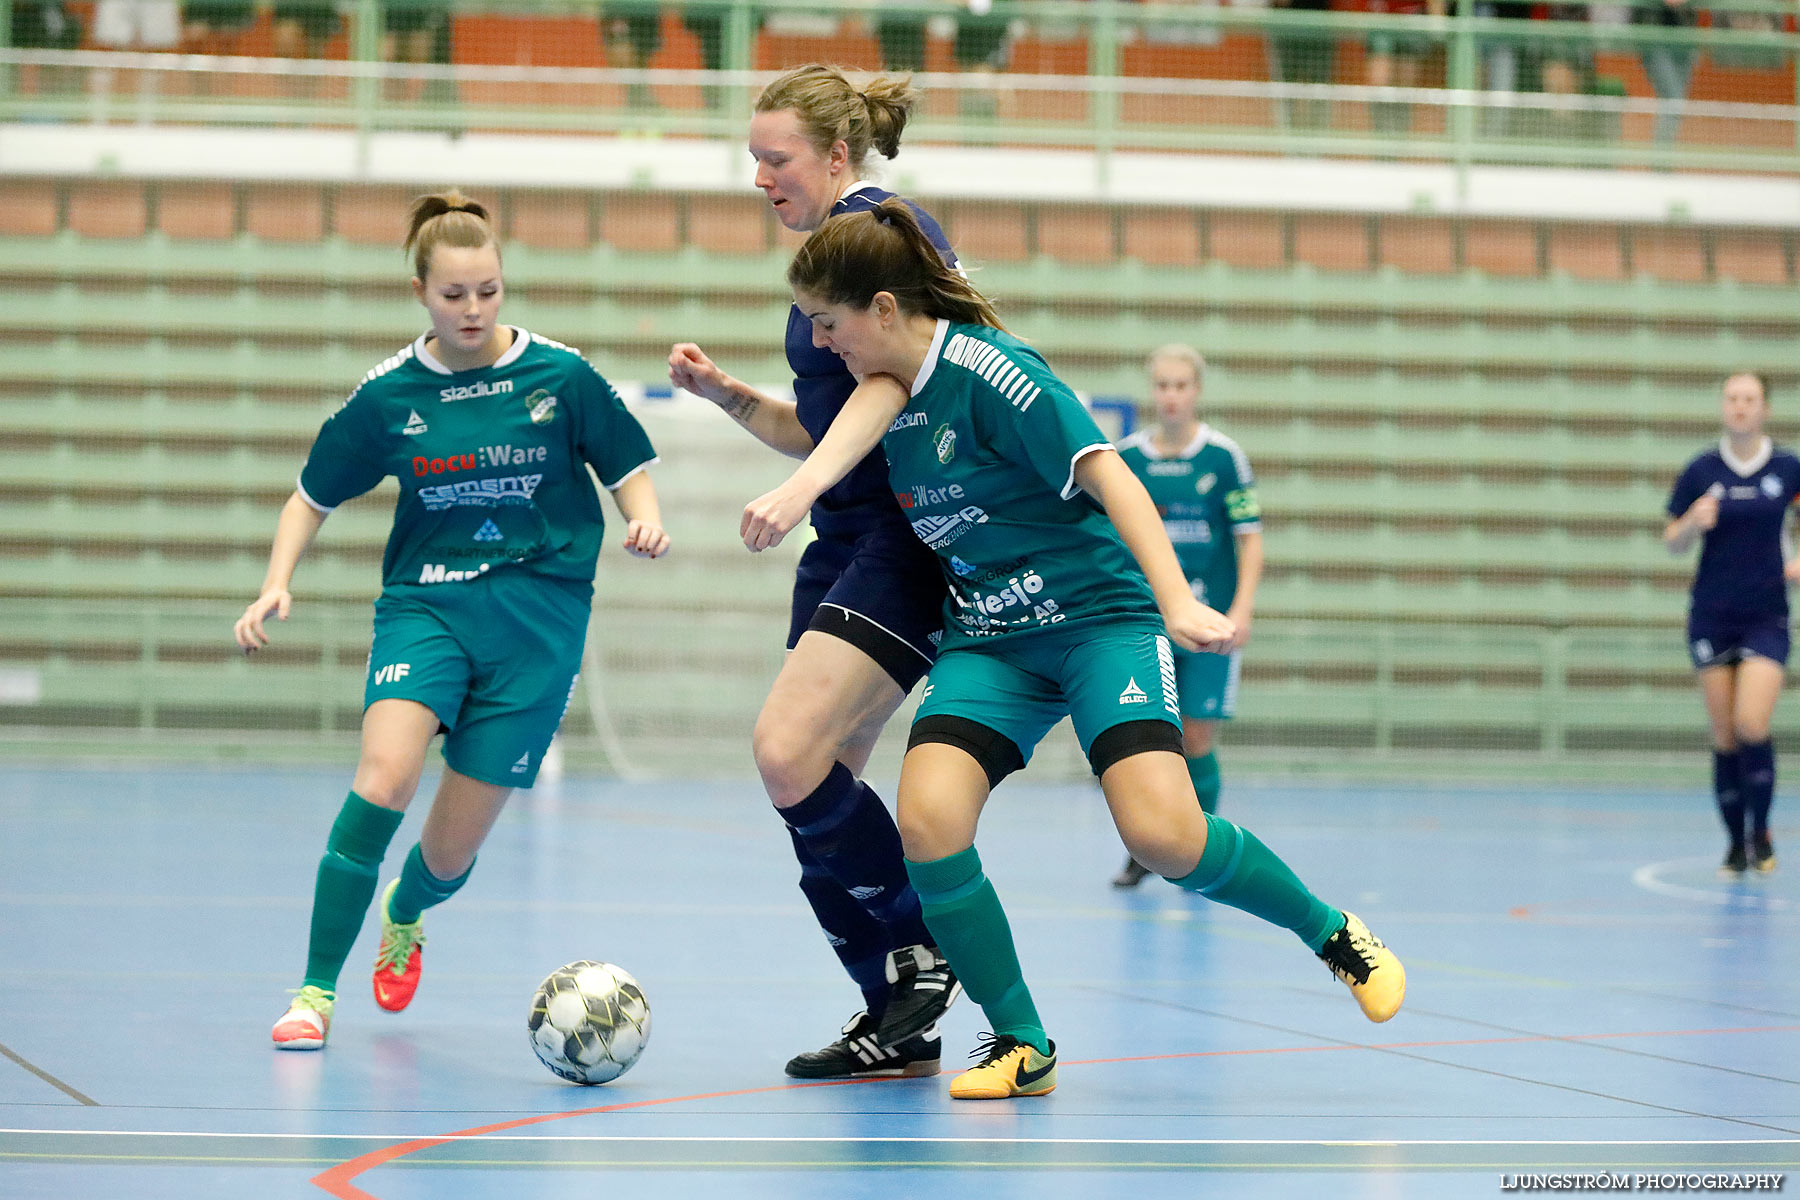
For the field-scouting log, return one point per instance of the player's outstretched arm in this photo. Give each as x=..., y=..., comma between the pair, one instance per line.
x=1103, y=475
x=855, y=431
x=294, y=532
x=772, y=422
x=636, y=498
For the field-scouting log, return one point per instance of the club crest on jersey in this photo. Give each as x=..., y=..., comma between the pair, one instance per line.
x=542, y=407
x=1771, y=486
x=943, y=440
x=960, y=567
x=1204, y=484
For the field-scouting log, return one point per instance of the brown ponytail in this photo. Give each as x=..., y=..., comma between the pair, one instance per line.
x=854, y=255
x=833, y=109
x=445, y=219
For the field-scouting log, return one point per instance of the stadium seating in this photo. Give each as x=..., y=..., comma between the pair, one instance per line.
x=1464, y=433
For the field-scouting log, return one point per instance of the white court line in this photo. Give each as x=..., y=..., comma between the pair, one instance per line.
x=999, y=1141
x=1649, y=877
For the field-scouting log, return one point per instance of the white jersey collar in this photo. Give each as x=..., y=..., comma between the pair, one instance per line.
x=1746, y=467
x=1148, y=443
x=931, y=357
x=520, y=340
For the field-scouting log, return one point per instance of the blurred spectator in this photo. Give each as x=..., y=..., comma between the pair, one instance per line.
x=301, y=30
x=630, y=36
x=1398, y=60
x=418, y=35
x=1305, y=58
x=1565, y=67
x=137, y=24
x=708, y=25
x=981, y=49
x=902, y=38
x=1669, y=67
x=1500, y=62
x=213, y=28
x=47, y=26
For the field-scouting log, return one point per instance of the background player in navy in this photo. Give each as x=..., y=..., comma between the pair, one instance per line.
x=865, y=611
x=1065, y=594
x=1734, y=499
x=487, y=585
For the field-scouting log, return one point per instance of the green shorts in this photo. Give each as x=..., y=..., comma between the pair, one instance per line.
x=1098, y=677
x=1208, y=684
x=496, y=658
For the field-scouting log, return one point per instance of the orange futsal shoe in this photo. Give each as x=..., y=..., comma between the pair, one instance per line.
x=400, y=960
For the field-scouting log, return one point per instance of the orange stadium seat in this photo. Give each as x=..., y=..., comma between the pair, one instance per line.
x=1587, y=251
x=1751, y=256
x=551, y=220
x=197, y=211
x=729, y=224
x=985, y=232
x=371, y=215
x=1247, y=239
x=28, y=208
x=640, y=222
x=1332, y=241
x=1418, y=245
x=1162, y=236
x=1501, y=247
x=1081, y=234
x=285, y=213
x=1671, y=255
x=112, y=209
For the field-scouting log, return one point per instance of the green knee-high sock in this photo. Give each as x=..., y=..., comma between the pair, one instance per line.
x=963, y=912
x=1237, y=869
x=419, y=889
x=345, y=885
x=1204, y=771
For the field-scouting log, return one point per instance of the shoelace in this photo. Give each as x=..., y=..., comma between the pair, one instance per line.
x=992, y=1048
x=397, y=942
x=1354, y=956
x=310, y=998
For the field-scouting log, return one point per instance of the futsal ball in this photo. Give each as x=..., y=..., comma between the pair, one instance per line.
x=589, y=1022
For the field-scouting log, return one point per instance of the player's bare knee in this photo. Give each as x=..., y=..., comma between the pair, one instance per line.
x=790, y=762
x=1750, y=732
x=931, y=831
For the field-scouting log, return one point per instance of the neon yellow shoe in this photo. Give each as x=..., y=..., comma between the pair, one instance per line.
x=1367, y=967
x=400, y=961
x=1008, y=1068
x=307, y=1020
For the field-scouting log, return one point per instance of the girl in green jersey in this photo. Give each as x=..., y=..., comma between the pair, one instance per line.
x=1064, y=596
x=486, y=588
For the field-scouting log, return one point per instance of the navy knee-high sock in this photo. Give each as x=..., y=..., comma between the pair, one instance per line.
x=849, y=831
x=1728, y=793
x=861, y=942
x=1756, y=775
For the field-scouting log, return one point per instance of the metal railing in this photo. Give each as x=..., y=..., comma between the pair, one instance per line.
x=1140, y=90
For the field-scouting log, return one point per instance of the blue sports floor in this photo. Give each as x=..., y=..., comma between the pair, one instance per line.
x=1585, y=996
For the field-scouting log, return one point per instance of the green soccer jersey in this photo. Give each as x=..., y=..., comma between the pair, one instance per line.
x=982, y=461
x=492, y=463
x=1207, y=496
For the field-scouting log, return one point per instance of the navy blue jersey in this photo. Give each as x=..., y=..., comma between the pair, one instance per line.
x=1740, y=557
x=862, y=500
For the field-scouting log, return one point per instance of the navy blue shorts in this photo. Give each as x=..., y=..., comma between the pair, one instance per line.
x=883, y=593
x=1718, y=640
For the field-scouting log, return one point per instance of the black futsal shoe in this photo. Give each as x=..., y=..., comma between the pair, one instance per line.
x=1131, y=874
x=921, y=988
x=1735, y=864
x=1762, y=853
x=858, y=1054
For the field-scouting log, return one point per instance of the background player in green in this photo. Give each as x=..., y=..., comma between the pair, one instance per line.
x=486, y=586
x=1062, y=585
x=1201, y=483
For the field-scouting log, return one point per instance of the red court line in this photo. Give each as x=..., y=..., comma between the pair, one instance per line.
x=336, y=1180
